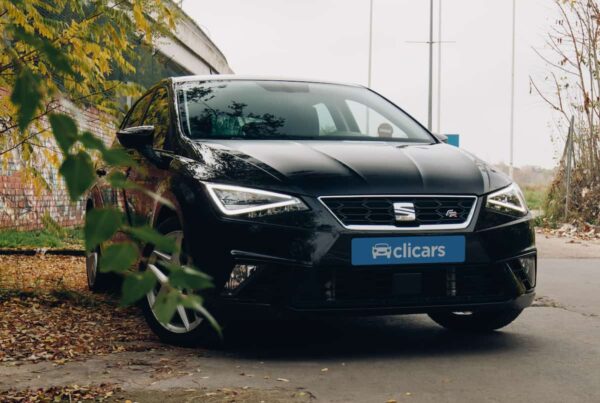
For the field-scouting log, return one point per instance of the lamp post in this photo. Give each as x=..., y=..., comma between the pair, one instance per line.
x=430, y=98
x=439, y=75
x=512, y=94
x=370, y=42
x=368, y=116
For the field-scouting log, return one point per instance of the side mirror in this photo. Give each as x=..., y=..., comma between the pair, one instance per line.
x=136, y=137
x=441, y=137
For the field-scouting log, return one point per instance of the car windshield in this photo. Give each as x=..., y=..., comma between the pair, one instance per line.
x=240, y=109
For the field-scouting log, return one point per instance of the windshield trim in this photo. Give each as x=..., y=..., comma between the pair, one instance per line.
x=320, y=138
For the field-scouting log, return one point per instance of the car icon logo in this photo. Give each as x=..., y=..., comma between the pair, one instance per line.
x=382, y=249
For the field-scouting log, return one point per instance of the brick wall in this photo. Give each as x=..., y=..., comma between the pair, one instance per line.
x=21, y=208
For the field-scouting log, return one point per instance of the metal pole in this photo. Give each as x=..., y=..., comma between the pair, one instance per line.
x=430, y=101
x=370, y=42
x=368, y=125
x=512, y=93
x=439, y=78
x=569, y=163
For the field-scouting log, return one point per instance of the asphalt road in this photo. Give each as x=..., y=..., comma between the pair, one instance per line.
x=550, y=354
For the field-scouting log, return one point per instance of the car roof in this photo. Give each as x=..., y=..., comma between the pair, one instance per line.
x=236, y=77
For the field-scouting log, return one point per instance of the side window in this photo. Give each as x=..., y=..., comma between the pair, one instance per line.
x=372, y=123
x=326, y=122
x=158, y=116
x=137, y=113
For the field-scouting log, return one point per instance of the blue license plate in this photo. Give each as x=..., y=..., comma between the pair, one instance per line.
x=408, y=250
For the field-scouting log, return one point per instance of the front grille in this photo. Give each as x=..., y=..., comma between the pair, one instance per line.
x=379, y=211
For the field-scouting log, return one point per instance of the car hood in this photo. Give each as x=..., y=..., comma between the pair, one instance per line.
x=321, y=168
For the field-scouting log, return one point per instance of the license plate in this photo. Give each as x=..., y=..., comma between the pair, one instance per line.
x=408, y=250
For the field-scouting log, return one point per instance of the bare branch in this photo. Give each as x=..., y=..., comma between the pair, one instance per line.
x=23, y=141
x=55, y=104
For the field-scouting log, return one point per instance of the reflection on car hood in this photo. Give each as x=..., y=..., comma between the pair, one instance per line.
x=320, y=168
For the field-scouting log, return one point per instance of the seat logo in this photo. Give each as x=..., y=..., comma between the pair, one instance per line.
x=404, y=212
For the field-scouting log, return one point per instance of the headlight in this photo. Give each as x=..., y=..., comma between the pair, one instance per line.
x=509, y=200
x=236, y=200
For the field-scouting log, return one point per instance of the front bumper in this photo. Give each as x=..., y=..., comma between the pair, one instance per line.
x=301, y=263
x=373, y=290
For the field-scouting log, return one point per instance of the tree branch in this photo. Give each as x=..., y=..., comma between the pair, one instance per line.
x=54, y=107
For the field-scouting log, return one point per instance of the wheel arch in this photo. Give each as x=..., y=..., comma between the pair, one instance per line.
x=94, y=198
x=163, y=212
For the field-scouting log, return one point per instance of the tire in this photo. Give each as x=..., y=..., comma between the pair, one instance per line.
x=485, y=321
x=197, y=330
x=98, y=282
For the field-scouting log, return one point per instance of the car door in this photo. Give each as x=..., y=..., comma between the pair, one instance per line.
x=103, y=194
x=152, y=173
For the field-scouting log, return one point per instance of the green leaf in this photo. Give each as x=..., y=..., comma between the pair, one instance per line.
x=78, y=172
x=26, y=96
x=149, y=235
x=195, y=302
x=100, y=226
x=119, y=180
x=92, y=142
x=118, y=257
x=166, y=304
x=65, y=131
x=136, y=286
x=56, y=57
x=188, y=278
x=118, y=158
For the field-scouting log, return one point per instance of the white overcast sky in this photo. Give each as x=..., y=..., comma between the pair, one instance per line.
x=328, y=39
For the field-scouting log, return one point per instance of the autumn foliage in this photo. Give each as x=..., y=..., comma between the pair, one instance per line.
x=572, y=89
x=73, y=51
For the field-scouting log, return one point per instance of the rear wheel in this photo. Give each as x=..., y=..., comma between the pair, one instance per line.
x=98, y=281
x=484, y=321
x=187, y=327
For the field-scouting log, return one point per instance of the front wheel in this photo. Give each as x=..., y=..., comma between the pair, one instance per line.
x=484, y=321
x=187, y=327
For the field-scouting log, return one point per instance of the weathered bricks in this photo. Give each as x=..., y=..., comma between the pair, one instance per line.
x=21, y=208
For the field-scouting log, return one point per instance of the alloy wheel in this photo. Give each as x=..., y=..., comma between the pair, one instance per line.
x=185, y=320
x=91, y=267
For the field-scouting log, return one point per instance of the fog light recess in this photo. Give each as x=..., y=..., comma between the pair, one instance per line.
x=528, y=265
x=239, y=275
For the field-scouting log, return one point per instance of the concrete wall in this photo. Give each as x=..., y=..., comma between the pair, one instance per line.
x=194, y=50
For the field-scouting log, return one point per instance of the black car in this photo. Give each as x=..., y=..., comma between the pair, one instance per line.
x=306, y=198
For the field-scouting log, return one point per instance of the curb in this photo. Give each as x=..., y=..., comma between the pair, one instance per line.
x=33, y=252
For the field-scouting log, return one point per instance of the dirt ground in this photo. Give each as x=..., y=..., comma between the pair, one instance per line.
x=550, y=247
x=60, y=342
x=112, y=394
